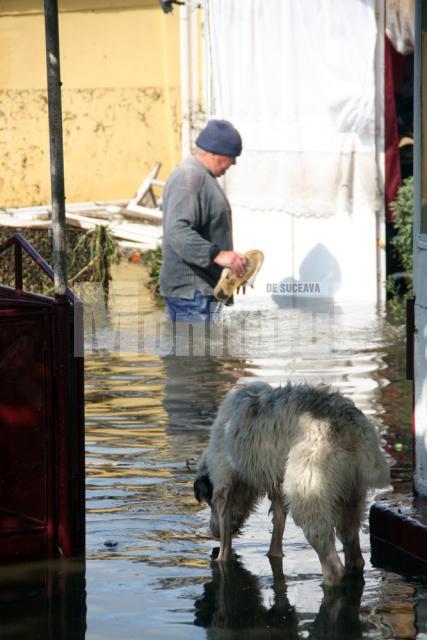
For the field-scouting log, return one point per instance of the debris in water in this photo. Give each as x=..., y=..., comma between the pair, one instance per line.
x=111, y=544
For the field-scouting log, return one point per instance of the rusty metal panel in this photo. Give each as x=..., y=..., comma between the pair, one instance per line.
x=42, y=499
x=26, y=432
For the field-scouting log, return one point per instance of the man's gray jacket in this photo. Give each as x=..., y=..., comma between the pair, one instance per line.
x=196, y=225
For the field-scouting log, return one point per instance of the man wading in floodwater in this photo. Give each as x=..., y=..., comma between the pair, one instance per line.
x=197, y=239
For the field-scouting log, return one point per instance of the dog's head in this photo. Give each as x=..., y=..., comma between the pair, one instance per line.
x=240, y=499
x=204, y=492
x=203, y=487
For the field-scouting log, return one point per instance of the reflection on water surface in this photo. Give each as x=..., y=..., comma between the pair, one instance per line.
x=148, y=415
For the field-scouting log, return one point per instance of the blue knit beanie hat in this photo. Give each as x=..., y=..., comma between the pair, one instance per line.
x=219, y=136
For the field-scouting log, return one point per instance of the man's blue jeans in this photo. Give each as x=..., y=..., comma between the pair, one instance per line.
x=200, y=309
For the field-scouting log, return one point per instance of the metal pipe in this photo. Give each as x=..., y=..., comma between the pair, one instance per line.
x=185, y=62
x=380, y=214
x=194, y=61
x=207, y=61
x=56, y=146
x=419, y=421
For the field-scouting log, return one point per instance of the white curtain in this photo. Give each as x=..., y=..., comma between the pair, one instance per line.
x=297, y=78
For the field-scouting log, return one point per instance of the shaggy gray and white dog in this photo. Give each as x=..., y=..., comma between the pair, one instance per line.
x=310, y=450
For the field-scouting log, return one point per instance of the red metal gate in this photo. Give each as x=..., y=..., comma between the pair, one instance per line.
x=42, y=509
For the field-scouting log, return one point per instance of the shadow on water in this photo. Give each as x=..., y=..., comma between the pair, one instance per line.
x=203, y=380
x=43, y=601
x=234, y=601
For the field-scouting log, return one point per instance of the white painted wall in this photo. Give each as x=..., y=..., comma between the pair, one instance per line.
x=338, y=252
x=420, y=347
x=420, y=415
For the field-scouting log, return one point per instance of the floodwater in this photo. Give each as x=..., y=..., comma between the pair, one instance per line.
x=149, y=573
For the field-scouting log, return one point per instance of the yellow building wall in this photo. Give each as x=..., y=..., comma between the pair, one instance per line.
x=120, y=98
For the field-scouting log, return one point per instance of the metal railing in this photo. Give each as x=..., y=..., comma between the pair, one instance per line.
x=21, y=244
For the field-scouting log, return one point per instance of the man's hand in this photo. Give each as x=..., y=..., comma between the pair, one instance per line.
x=236, y=261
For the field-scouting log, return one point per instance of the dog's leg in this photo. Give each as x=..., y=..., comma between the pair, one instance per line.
x=225, y=526
x=348, y=525
x=323, y=542
x=281, y=605
x=225, y=538
x=280, y=512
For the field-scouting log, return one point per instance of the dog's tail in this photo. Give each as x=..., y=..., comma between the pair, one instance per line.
x=375, y=471
x=325, y=468
x=357, y=437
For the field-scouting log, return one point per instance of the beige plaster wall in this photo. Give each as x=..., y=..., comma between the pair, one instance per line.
x=121, y=98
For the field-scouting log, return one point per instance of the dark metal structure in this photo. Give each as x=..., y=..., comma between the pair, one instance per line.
x=42, y=507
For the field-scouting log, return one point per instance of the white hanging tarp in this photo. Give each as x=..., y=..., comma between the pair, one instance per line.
x=297, y=78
